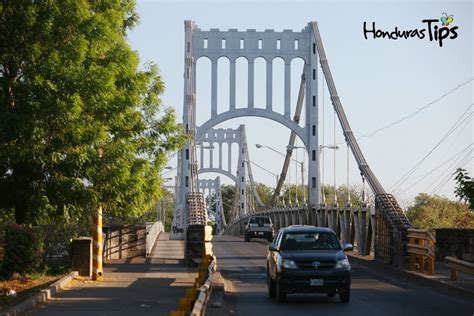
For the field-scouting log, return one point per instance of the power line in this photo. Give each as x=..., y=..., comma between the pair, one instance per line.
x=445, y=136
x=417, y=111
x=444, y=181
x=436, y=168
x=402, y=180
x=447, y=172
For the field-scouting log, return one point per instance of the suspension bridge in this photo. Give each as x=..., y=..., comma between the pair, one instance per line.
x=152, y=283
x=382, y=225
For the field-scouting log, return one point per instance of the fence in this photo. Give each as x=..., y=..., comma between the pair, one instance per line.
x=458, y=265
x=421, y=246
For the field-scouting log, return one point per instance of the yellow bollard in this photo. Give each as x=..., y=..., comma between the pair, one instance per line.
x=185, y=304
x=191, y=293
x=177, y=313
x=97, y=244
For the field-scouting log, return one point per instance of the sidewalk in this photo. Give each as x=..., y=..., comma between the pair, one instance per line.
x=441, y=278
x=138, y=286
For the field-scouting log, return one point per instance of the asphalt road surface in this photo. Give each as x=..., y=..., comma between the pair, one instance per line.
x=243, y=266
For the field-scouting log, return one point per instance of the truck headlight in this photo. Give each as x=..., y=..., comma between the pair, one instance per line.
x=343, y=264
x=289, y=264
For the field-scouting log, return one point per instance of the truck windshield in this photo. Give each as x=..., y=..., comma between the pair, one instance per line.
x=310, y=241
x=259, y=220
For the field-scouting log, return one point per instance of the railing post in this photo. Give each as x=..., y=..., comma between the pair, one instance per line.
x=412, y=263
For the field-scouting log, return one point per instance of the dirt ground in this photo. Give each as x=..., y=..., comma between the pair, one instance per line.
x=24, y=286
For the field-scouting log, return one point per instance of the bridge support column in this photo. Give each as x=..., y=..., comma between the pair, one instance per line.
x=242, y=175
x=312, y=124
x=363, y=231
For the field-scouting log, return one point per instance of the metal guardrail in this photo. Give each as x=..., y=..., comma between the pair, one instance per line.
x=351, y=224
x=153, y=229
x=456, y=265
x=421, y=247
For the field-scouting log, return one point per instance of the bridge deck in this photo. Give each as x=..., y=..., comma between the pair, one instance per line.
x=134, y=286
x=165, y=248
x=374, y=292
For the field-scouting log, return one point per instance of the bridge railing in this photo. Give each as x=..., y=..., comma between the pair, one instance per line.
x=354, y=225
x=456, y=265
x=421, y=246
x=153, y=229
x=391, y=230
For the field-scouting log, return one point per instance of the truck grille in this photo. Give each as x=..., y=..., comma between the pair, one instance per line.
x=323, y=265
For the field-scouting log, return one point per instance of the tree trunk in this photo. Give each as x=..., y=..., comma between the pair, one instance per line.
x=20, y=189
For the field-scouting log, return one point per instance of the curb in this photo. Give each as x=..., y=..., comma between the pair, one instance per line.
x=404, y=275
x=205, y=291
x=41, y=297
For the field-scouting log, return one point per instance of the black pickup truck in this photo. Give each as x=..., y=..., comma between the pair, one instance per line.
x=308, y=259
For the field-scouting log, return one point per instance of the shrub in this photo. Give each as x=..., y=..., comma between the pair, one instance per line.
x=23, y=250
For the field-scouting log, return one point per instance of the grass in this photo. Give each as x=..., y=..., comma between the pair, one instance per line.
x=24, y=286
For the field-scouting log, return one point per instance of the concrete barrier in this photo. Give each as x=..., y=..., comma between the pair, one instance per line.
x=153, y=229
x=205, y=290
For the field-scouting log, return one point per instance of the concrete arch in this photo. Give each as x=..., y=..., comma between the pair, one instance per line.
x=219, y=171
x=301, y=132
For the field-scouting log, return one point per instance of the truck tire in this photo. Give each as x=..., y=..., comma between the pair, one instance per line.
x=271, y=286
x=345, y=295
x=280, y=292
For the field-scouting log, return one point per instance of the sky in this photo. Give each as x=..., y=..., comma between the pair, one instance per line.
x=415, y=87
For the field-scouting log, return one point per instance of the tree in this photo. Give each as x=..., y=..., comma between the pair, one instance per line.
x=265, y=192
x=228, y=195
x=80, y=124
x=433, y=211
x=465, y=187
x=355, y=194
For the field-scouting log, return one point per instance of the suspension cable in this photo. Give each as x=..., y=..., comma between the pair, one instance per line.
x=334, y=135
x=302, y=176
x=363, y=190
x=296, y=173
x=348, y=191
x=321, y=148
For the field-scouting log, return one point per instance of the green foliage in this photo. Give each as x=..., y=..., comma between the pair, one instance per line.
x=432, y=211
x=80, y=124
x=228, y=195
x=23, y=250
x=265, y=192
x=355, y=194
x=465, y=187
x=213, y=226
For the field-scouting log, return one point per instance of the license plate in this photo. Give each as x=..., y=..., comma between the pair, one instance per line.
x=316, y=282
x=260, y=233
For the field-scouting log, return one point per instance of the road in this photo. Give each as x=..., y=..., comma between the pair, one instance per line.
x=243, y=266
